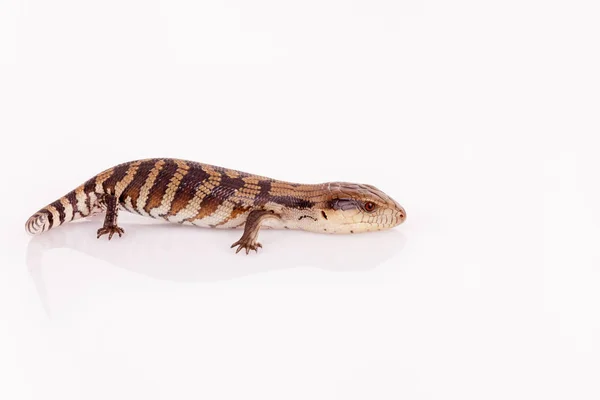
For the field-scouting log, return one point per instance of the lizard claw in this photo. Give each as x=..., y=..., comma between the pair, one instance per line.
x=247, y=245
x=110, y=230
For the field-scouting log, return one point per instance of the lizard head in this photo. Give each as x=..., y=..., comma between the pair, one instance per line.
x=354, y=208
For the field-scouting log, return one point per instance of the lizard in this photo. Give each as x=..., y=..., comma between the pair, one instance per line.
x=189, y=192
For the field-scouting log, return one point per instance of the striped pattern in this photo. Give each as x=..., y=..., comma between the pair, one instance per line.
x=175, y=190
x=188, y=192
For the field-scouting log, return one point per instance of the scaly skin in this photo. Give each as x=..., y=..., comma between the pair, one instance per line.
x=188, y=192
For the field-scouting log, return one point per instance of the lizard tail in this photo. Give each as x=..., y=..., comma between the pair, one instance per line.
x=76, y=204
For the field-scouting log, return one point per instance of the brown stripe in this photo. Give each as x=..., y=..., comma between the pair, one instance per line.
x=204, y=189
x=228, y=187
x=133, y=190
x=89, y=187
x=263, y=196
x=118, y=173
x=122, y=184
x=68, y=208
x=55, y=215
x=148, y=185
x=165, y=206
x=61, y=211
x=72, y=199
x=292, y=202
x=158, y=189
x=50, y=217
x=187, y=189
x=208, y=206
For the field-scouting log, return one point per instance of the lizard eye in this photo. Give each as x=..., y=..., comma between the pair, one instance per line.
x=369, y=206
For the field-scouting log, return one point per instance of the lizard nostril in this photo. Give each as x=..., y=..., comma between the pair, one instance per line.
x=402, y=215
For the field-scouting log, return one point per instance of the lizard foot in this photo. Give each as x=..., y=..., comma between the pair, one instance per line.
x=110, y=230
x=246, y=244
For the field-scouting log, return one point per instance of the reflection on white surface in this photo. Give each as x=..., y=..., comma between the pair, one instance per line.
x=189, y=254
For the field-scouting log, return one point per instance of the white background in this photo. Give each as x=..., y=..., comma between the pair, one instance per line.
x=480, y=118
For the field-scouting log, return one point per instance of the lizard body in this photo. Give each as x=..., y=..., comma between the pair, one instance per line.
x=189, y=192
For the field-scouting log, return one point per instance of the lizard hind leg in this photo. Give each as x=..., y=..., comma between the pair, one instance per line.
x=110, y=220
x=249, y=241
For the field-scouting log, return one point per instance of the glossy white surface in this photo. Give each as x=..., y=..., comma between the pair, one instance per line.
x=481, y=120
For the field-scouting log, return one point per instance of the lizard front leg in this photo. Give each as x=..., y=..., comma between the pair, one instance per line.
x=248, y=240
x=110, y=220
